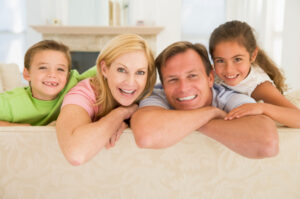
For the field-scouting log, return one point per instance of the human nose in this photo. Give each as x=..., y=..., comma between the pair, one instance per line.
x=229, y=67
x=51, y=73
x=130, y=80
x=183, y=85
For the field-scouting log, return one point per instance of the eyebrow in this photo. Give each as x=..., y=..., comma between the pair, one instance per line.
x=127, y=66
x=188, y=72
x=41, y=63
x=238, y=55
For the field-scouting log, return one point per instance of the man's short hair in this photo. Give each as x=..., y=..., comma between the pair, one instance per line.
x=180, y=47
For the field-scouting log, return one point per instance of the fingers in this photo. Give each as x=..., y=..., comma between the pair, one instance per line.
x=240, y=112
x=116, y=136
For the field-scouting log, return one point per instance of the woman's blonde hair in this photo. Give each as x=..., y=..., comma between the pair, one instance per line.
x=118, y=46
x=243, y=34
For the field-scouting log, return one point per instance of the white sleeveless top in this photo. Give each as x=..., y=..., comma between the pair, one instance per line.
x=256, y=76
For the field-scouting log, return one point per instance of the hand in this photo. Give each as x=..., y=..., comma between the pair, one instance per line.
x=220, y=114
x=116, y=136
x=245, y=109
x=127, y=111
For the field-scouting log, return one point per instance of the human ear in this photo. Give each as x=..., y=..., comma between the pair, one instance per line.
x=254, y=55
x=26, y=74
x=103, y=68
x=211, y=79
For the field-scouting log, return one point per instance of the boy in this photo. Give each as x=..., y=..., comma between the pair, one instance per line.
x=47, y=67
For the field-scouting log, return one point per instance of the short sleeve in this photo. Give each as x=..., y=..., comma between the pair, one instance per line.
x=228, y=99
x=157, y=98
x=236, y=100
x=84, y=96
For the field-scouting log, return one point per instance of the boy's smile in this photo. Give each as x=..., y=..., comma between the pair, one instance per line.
x=48, y=74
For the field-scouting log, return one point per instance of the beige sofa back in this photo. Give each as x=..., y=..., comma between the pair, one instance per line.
x=33, y=167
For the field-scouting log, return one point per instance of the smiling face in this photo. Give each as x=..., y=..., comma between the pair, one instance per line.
x=185, y=81
x=48, y=74
x=126, y=76
x=232, y=62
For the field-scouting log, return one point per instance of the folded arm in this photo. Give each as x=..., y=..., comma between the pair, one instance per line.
x=156, y=127
x=251, y=136
x=80, y=139
x=276, y=105
x=4, y=123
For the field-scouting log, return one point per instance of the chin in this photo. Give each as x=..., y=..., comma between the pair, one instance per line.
x=127, y=103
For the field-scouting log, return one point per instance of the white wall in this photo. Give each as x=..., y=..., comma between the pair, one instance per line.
x=154, y=13
x=151, y=12
x=170, y=19
x=291, y=43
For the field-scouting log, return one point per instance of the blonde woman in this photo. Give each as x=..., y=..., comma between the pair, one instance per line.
x=93, y=112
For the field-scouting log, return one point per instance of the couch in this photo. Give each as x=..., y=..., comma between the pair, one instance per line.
x=33, y=167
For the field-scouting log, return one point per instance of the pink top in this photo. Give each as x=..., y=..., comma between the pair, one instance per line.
x=82, y=95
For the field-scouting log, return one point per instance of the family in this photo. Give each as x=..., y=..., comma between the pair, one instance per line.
x=235, y=100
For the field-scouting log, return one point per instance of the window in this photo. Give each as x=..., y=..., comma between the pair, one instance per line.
x=200, y=18
x=12, y=31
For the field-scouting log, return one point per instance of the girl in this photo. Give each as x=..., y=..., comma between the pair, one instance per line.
x=93, y=112
x=241, y=65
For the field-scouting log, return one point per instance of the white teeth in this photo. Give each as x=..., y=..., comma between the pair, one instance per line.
x=187, y=98
x=127, y=91
x=231, y=76
x=51, y=83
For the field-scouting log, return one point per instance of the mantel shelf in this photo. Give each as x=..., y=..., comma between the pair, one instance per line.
x=97, y=30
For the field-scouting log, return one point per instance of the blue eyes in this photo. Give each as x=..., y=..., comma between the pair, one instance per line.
x=140, y=72
x=122, y=70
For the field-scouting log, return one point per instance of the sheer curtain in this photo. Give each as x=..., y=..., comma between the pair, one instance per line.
x=266, y=17
x=12, y=31
x=199, y=18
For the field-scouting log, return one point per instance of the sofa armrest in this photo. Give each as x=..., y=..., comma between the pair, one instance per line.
x=10, y=77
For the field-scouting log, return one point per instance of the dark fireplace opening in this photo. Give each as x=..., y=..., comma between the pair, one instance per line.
x=81, y=61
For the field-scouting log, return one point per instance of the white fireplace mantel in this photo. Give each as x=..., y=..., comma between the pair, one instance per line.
x=93, y=38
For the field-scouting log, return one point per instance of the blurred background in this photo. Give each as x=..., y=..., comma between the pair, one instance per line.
x=275, y=21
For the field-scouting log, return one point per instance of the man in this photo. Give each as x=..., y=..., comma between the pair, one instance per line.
x=192, y=102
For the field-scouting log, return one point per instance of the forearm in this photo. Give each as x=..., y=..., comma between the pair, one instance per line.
x=155, y=127
x=287, y=116
x=4, y=123
x=250, y=136
x=84, y=139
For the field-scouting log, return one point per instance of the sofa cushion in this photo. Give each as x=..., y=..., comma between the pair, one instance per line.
x=10, y=77
x=1, y=86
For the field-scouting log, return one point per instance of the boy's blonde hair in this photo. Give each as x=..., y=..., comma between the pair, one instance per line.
x=242, y=33
x=46, y=45
x=118, y=46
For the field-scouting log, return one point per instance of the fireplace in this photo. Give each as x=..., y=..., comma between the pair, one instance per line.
x=81, y=61
x=85, y=42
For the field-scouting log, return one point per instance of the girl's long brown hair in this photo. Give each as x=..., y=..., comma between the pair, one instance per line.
x=242, y=33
